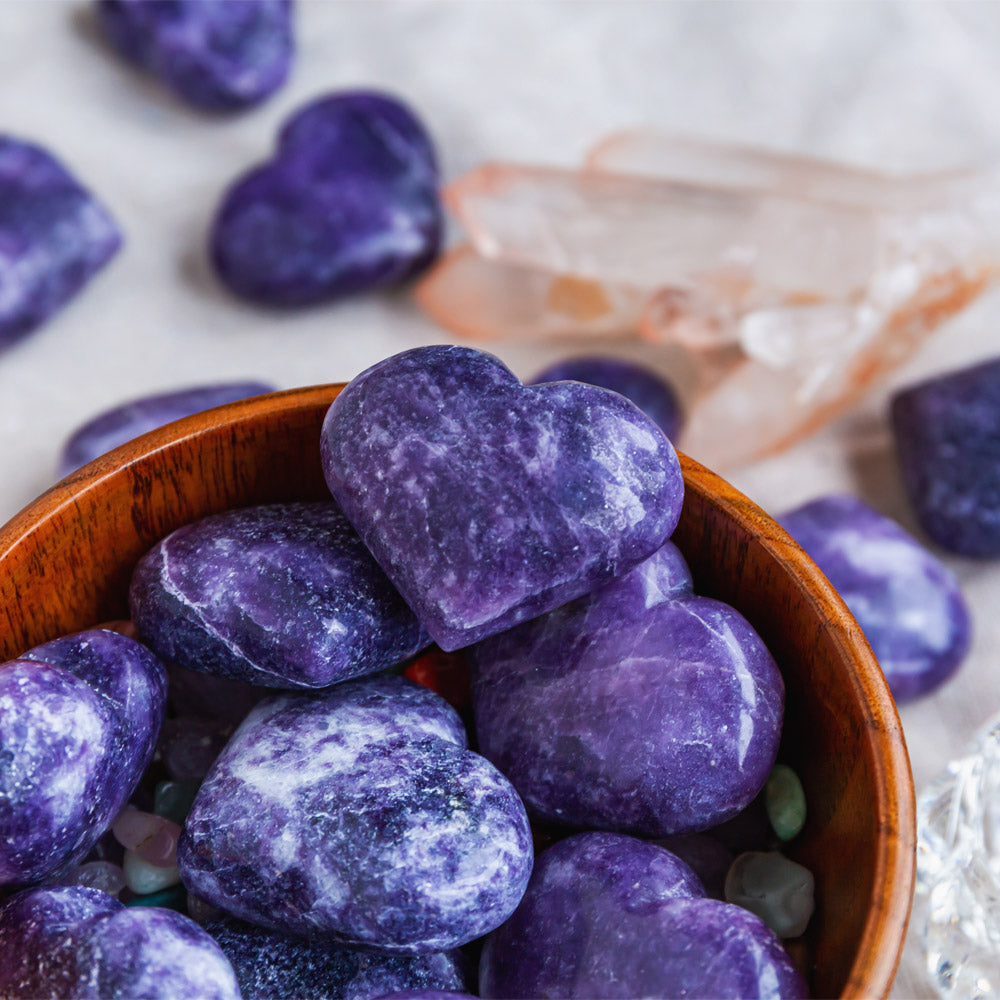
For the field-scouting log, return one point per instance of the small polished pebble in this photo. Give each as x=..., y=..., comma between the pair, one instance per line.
x=218, y=55
x=610, y=916
x=785, y=801
x=780, y=891
x=283, y=595
x=143, y=877
x=71, y=941
x=153, y=838
x=638, y=708
x=488, y=502
x=103, y=875
x=908, y=603
x=349, y=202
x=138, y=416
x=172, y=898
x=651, y=393
x=947, y=433
x=78, y=723
x=326, y=810
x=173, y=799
x=54, y=237
x=274, y=966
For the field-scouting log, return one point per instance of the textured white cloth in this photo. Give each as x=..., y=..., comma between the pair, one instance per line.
x=895, y=86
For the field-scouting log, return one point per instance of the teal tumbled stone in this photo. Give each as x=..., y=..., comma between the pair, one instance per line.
x=785, y=802
x=172, y=799
x=174, y=898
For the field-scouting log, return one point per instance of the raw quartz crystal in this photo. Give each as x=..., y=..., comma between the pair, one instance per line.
x=54, y=237
x=957, y=903
x=789, y=286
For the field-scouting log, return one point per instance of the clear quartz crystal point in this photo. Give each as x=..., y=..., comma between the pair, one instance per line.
x=794, y=285
x=957, y=906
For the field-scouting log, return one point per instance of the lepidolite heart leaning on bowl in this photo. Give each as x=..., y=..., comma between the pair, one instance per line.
x=488, y=502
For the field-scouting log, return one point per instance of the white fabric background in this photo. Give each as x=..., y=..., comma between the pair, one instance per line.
x=895, y=86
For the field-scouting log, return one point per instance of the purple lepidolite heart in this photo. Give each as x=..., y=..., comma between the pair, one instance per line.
x=638, y=708
x=123, y=423
x=283, y=595
x=70, y=941
x=947, y=434
x=359, y=815
x=78, y=723
x=610, y=916
x=907, y=602
x=274, y=966
x=54, y=236
x=488, y=502
x=349, y=202
x=220, y=55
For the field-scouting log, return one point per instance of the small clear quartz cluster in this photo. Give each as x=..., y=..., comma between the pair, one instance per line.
x=776, y=289
x=957, y=906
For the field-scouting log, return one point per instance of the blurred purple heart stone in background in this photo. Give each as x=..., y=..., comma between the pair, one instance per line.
x=907, y=602
x=218, y=55
x=652, y=394
x=349, y=202
x=54, y=236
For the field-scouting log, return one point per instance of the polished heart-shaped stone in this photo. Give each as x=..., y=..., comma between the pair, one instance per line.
x=214, y=54
x=54, y=237
x=282, y=595
x=639, y=708
x=79, y=718
x=488, y=502
x=70, y=941
x=358, y=814
x=349, y=202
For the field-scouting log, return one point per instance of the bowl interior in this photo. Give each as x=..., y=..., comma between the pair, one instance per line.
x=66, y=560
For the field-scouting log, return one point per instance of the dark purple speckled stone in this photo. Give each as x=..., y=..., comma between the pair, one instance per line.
x=487, y=502
x=426, y=995
x=610, y=916
x=219, y=55
x=70, y=941
x=349, y=202
x=123, y=423
x=79, y=719
x=283, y=595
x=54, y=237
x=652, y=394
x=637, y=708
x=273, y=966
x=359, y=815
x=948, y=439
x=907, y=602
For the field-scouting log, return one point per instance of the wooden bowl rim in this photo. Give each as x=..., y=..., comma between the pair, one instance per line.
x=881, y=945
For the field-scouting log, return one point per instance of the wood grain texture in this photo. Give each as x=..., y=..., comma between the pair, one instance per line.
x=65, y=563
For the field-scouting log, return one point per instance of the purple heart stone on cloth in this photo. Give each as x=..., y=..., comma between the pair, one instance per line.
x=907, y=602
x=349, y=202
x=638, y=708
x=487, y=502
x=54, y=236
x=220, y=55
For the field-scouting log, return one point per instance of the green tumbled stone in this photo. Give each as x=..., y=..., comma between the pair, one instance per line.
x=172, y=799
x=144, y=879
x=785, y=802
x=174, y=898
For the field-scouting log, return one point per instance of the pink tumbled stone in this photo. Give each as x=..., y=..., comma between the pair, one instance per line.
x=153, y=838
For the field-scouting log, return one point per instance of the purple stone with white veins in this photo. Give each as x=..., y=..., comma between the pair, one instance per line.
x=947, y=432
x=79, y=718
x=123, y=423
x=907, y=602
x=358, y=814
x=76, y=942
x=349, y=202
x=637, y=708
x=219, y=55
x=487, y=502
x=611, y=916
x=274, y=966
x=283, y=595
x=54, y=237
x=651, y=393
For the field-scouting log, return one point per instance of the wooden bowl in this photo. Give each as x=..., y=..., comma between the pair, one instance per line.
x=65, y=563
